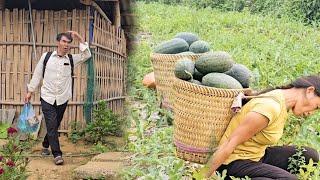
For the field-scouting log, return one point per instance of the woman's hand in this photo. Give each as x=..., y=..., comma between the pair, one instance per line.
x=252, y=124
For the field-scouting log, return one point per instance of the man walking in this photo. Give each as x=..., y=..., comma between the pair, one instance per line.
x=56, y=70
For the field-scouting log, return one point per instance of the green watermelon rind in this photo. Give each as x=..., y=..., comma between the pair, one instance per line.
x=217, y=61
x=183, y=66
x=221, y=80
x=173, y=46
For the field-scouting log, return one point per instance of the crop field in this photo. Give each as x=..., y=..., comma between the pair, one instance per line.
x=275, y=50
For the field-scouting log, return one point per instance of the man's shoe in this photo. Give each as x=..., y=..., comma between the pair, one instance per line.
x=58, y=160
x=45, y=152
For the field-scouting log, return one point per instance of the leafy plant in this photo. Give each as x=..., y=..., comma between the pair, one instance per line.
x=297, y=161
x=297, y=165
x=75, y=134
x=292, y=129
x=201, y=174
x=12, y=160
x=245, y=178
x=307, y=10
x=104, y=123
x=302, y=131
x=309, y=171
x=100, y=148
x=155, y=158
x=166, y=117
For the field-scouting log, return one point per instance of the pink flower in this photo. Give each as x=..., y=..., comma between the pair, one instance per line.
x=10, y=163
x=1, y=170
x=11, y=131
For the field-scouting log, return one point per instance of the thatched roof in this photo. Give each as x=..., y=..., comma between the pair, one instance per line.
x=106, y=6
x=127, y=18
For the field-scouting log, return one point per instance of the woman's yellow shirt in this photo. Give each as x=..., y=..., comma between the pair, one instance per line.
x=274, y=108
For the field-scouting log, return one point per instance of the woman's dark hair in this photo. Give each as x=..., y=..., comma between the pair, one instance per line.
x=65, y=34
x=302, y=82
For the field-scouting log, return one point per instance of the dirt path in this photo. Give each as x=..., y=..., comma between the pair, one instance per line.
x=44, y=168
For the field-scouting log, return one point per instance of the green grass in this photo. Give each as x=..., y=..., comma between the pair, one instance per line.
x=276, y=50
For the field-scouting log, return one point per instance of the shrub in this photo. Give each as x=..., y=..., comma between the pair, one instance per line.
x=12, y=161
x=301, y=10
x=104, y=123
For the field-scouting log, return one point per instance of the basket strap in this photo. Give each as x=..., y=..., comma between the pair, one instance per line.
x=191, y=149
x=237, y=102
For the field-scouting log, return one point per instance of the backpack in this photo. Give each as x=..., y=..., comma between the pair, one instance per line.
x=45, y=61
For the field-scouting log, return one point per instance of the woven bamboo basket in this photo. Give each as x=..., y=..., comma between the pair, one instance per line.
x=163, y=66
x=201, y=116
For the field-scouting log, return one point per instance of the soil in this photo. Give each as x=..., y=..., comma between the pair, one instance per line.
x=44, y=167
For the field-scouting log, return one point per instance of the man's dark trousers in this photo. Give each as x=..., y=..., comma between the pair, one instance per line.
x=53, y=115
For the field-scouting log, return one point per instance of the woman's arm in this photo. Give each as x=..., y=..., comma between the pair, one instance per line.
x=252, y=124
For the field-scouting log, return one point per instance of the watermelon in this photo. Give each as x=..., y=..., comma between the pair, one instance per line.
x=172, y=46
x=188, y=37
x=241, y=73
x=221, y=80
x=184, y=69
x=218, y=61
x=199, y=47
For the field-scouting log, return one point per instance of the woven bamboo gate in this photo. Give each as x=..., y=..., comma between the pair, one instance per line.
x=102, y=77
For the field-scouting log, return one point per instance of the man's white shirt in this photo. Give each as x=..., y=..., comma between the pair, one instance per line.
x=57, y=78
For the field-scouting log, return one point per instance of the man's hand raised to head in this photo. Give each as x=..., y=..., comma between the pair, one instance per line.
x=76, y=35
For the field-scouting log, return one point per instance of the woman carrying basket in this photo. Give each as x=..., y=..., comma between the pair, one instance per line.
x=246, y=148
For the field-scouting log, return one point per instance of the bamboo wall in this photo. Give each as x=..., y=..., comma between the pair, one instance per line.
x=110, y=62
x=18, y=63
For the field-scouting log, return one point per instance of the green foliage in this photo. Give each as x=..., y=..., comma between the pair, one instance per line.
x=291, y=129
x=100, y=148
x=301, y=10
x=222, y=175
x=12, y=158
x=302, y=131
x=139, y=65
x=305, y=10
x=276, y=50
x=310, y=171
x=229, y=5
x=267, y=6
x=145, y=100
x=155, y=158
x=309, y=133
x=234, y=5
x=200, y=174
x=3, y=130
x=296, y=161
x=235, y=178
x=75, y=134
x=166, y=117
x=104, y=123
x=297, y=165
